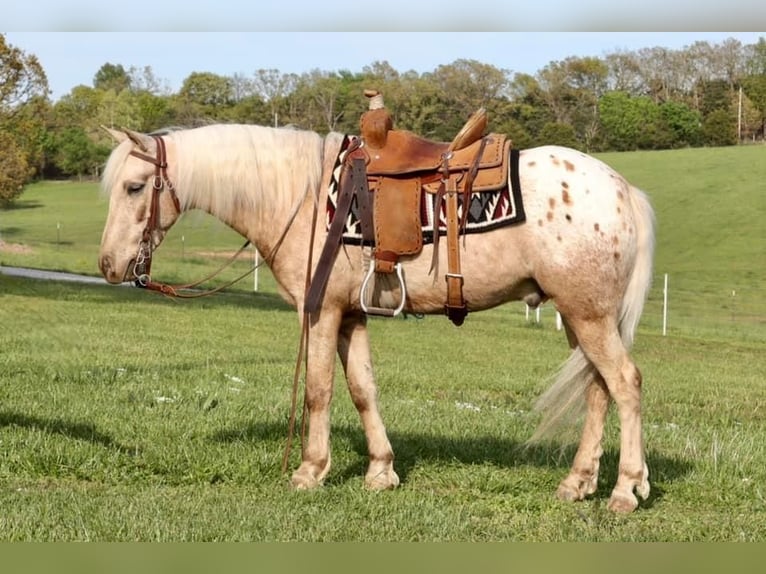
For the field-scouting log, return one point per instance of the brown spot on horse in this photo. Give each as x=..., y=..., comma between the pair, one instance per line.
x=552, y=202
x=569, y=166
x=549, y=216
x=596, y=227
x=565, y=197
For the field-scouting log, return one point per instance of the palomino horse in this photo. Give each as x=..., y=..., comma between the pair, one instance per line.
x=587, y=245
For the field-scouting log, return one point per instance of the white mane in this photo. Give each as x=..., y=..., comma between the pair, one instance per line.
x=223, y=168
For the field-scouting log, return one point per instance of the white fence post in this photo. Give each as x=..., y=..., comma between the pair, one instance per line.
x=665, y=307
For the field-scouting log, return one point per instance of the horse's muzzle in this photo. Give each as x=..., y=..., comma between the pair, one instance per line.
x=106, y=266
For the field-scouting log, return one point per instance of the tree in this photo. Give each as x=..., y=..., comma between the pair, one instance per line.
x=144, y=80
x=683, y=124
x=719, y=128
x=23, y=87
x=78, y=154
x=111, y=77
x=638, y=123
x=558, y=134
x=14, y=169
x=754, y=88
x=273, y=87
x=571, y=88
x=469, y=84
x=204, y=97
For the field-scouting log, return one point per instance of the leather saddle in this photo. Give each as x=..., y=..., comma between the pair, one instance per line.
x=388, y=170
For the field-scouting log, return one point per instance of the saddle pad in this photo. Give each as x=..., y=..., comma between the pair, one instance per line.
x=486, y=210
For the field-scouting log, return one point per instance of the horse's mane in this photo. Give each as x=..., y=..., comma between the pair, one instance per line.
x=222, y=168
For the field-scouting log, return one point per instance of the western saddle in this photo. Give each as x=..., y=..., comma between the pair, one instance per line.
x=386, y=171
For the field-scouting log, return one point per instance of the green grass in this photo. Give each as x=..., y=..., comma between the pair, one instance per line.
x=58, y=225
x=711, y=236
x=128, y=416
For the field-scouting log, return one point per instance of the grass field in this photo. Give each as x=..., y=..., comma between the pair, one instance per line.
x=128, y=416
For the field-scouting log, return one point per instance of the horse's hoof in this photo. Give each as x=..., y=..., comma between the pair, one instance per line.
x=573, y=488
x=386, y=480
x=304, y=480
x=622, y=503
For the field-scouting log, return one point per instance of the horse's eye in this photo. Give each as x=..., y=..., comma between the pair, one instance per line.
x=134, y=187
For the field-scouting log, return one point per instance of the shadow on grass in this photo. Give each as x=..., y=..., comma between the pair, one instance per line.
x=9, y=231
x=18, y=204
x=96, y=293
x=414, y=448
x=75, y=430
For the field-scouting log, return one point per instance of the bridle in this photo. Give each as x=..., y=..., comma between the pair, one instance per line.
x=160, y=181
x=143, y=264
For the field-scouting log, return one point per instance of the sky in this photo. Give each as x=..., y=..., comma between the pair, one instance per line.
x=73, y=58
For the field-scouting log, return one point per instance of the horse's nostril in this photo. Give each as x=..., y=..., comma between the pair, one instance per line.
x=105, y=264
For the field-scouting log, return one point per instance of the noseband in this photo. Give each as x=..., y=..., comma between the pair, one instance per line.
x=160, y=181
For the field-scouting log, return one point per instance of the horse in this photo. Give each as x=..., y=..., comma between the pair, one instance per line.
x=587, y=246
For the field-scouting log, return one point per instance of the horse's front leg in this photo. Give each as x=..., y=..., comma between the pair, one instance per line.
x=354, y=352
x=315, y=454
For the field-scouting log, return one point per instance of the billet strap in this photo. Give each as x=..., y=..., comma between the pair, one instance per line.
x=455, y=307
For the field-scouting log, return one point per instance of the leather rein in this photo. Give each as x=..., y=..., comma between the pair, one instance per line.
x=143, y=264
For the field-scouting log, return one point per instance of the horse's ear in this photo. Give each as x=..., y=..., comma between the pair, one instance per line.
x=117, y=135
x=143, y=141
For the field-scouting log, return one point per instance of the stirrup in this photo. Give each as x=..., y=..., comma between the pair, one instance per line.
x=372, y=310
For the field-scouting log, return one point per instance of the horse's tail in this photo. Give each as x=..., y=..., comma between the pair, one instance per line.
x=564, y=401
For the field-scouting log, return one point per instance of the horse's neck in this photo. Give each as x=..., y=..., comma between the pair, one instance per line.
x=265, y=226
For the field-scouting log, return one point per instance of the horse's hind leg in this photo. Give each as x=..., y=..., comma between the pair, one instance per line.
x=583, y=477
x=601, y=343
x=354, y=352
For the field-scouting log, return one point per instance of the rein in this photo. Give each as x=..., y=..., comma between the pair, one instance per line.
x=142, y=268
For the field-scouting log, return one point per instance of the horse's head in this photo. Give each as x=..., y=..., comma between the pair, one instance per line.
x=142, y=205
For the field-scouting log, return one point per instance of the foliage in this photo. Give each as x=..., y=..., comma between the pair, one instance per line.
x=754, y=88
x=111, y=77
x=682, y=123
x=719, y=128
x=651, y=98
x=23, y=89
x=640, y=123
x=554, y=133
x=79, y=154
x=14, y=169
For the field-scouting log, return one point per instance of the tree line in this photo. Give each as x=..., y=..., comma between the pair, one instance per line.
x=653, y=98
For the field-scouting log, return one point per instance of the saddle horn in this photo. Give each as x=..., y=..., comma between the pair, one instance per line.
x=376, y=122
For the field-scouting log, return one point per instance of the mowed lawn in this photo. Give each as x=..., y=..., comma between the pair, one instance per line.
x=128, y=416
